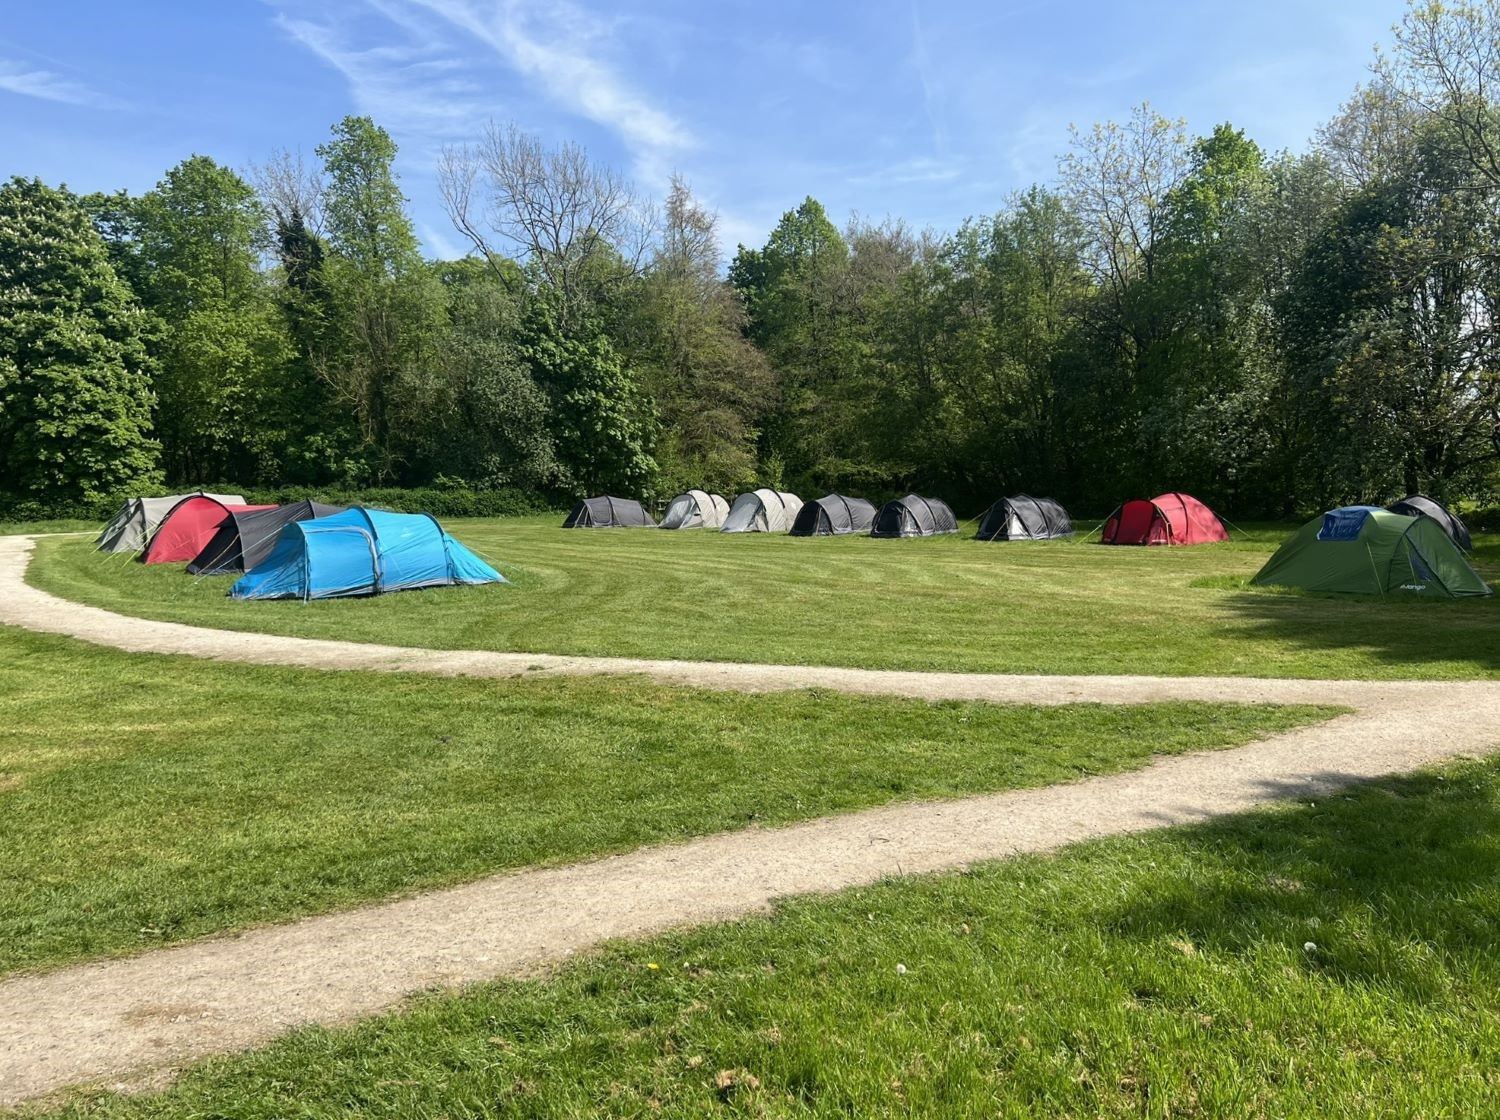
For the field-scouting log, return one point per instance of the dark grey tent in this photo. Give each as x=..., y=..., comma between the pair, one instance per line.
x=914, y=516
x=833, y=515
x=245, y=537
x=1024, y=518
x=609, y=513
x=1418, y=505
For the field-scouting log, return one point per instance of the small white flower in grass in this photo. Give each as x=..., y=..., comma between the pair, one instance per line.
x=1309, y=946
x=900, y=970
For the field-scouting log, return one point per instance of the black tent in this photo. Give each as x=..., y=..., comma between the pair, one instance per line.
x=1418, y=505
x=833, y=515
x=608, y=513
x=244, y=538
x=914, y=516
x=1024, y=518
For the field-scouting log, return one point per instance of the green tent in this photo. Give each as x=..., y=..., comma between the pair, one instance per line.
x=1364, y=550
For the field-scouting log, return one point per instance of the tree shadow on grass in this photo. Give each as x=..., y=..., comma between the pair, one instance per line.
x=1394, y=884
x=1464, y=632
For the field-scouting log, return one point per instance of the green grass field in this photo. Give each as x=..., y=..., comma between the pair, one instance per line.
x=946, y=603
x=1318, y=961
x=145, y=800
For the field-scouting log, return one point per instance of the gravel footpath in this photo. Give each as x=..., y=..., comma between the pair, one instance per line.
x=132, y=1022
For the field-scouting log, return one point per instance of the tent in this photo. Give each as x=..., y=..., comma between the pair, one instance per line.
x=1417, y=505
x=1166, y=519
x=1024, y=518
x=608, y=513
x=696, y=509
x=762, y=511
x=361, y=552
x=914, y=516
x=188, y=526
x=1363, y=550
x=245, y=537
x=833, y=515
x=137, y=518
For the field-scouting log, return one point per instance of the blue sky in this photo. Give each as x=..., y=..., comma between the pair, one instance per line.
x=931, y=112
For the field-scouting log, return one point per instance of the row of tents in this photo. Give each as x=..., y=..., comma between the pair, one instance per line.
x=773, y=511
x=1415, y=546
x=302, y=550
x=309, y=550
x=1167, y=519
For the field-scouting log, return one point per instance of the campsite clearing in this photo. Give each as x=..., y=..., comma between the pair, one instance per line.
x=949, y=603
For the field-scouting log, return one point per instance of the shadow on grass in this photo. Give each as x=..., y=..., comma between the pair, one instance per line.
x=1391, y=883
x=1464, y=632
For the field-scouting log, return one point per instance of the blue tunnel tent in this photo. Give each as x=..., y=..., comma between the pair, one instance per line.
x=361, y=552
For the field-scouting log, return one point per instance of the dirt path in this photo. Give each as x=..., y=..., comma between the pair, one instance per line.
x=131, y=1021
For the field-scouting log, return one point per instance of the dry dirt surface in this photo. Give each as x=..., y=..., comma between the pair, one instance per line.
x=133, y=1021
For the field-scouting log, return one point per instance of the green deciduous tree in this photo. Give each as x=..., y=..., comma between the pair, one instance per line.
x=685, y=335
x=75, y=392
x=380, y=351
x=603, y=425
x=223, y=350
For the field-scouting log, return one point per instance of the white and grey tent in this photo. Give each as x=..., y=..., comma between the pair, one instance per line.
x=914, y=516
x=1024, y=518
x=834, y=515
x=762, y=511
x=137, y=518
x=608, y=513
x=696, y=509
x=1419, y=505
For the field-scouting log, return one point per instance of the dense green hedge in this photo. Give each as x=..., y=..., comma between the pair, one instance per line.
x=438, y=501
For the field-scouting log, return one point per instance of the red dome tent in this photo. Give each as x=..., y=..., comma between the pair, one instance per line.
x=1166, y=519
x=188, y=527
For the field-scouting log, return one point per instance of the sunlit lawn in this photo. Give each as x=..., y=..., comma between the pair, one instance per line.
x=1336, y=960
x=148, y=799
x=946, y=603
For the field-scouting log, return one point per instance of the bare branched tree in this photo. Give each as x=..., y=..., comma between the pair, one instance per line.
x=554, y=207
x=290, y=189
x=1370, y=135
x=1118, y=177
x=1446, y=63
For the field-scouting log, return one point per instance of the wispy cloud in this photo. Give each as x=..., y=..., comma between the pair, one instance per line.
x=29, y=81
x=923, y=66
x=920, y=169
x=560, y=47
x=413, y=87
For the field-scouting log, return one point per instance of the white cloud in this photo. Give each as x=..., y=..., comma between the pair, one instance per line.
x=439, y=244
x=414, y=88
x=921, y=169
x=559, y=47
x=28, y=81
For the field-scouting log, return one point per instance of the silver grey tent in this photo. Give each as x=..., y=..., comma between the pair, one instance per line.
x=914, y=516
x=762, y=511
x=834, y=515
x=608, y=513
x=696, y=509
x=1024, y=518
x=137, y=518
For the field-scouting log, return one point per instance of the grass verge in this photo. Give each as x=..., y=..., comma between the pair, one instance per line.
x=145, y=800
x=1336, y=959
x=946, y=603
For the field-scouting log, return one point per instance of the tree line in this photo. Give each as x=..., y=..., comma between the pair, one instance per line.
x=1275, y=332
